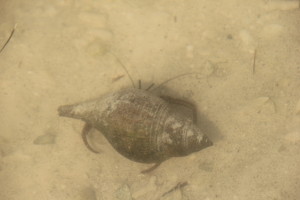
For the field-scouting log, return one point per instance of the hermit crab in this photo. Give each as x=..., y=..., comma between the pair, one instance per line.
x=141, y=126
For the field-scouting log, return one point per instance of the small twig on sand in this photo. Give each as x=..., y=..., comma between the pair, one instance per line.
x=7, y=41
x=178, y=186
x=116, y=78
x=254, y=62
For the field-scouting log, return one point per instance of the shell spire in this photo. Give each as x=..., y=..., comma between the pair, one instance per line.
x=87, y=111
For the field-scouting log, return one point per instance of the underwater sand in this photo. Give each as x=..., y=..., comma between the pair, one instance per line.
x=246, y=59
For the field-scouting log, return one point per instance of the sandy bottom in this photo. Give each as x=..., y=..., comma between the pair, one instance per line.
x=245, y=56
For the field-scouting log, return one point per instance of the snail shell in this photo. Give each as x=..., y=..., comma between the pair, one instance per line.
x=140, y=126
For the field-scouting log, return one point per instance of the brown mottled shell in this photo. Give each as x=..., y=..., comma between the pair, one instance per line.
x=140, y=126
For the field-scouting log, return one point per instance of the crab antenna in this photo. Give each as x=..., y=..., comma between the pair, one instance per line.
x=178, y=76
x=125, y=69
x=150, y=86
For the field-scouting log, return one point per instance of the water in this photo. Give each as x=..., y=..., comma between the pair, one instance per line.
x=247, y=92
